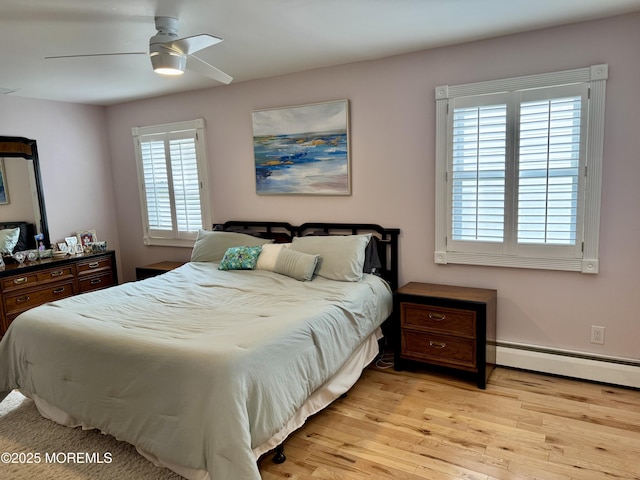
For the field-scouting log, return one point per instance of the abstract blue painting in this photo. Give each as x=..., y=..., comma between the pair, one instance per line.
x=303, y=149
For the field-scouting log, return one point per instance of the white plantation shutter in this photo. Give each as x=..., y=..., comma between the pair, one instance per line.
x=478, y=172
x=156, y=185
x=186, y=186
x=172, y=169
x=513, y=187
x=550, y=157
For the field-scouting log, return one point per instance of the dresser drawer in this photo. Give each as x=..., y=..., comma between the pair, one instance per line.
x=428, y=318
x=58, y=274
x=19, y=281
x=441, y=349
x=94, y=265
x=35, y=278
x=24, y=300
x=95, y=282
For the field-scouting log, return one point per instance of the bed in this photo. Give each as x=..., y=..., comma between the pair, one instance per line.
x=209, y=366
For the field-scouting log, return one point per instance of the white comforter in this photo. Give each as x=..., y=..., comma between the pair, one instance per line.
x=197, y=366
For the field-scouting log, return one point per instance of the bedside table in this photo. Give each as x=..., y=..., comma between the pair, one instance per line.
x=154, y=269
x=445, y=325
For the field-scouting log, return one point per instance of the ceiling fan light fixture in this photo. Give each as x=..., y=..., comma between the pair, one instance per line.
x=168, y=63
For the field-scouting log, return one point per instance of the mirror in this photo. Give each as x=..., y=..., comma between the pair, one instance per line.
x=23, y=184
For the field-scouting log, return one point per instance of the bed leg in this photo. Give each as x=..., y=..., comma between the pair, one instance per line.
x=279, y=456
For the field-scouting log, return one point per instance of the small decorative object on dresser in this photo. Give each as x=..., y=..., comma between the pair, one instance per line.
x=449, y=326
x=86, y=236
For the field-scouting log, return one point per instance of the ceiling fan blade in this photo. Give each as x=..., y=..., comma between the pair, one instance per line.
x=194, y=43
x=96, y=55
x=198, y=65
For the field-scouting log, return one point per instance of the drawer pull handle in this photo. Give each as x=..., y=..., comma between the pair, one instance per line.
x=23, y=299
x=20, y=281
x=57, y=273
x=437, y=344
x=438, y=317
x=94, y=265
x=95, y=281
x=59, y=290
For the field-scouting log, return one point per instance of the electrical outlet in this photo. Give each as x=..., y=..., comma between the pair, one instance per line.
x=597, y=334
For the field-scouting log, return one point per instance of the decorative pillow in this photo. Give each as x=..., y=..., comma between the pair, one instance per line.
x=9, y=240
x=372, y=263
x=211, y=246
x=296, y=264
x=240, y=258
x=341, y=257
x=269, y=255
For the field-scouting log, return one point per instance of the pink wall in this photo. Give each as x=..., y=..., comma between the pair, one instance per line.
x=392, y=135
x=74, y=163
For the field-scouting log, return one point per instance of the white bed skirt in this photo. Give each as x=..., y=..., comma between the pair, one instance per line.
x=337, y=385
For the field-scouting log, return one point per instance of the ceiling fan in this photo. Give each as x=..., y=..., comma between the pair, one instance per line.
x=169, y=54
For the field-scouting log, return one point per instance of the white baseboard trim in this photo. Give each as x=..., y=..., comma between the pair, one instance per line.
x=615, y=371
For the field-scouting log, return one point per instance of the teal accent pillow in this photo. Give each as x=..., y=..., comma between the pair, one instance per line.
x=240, y=258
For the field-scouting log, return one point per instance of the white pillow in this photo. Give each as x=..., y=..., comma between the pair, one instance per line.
x=9, y=240
x=269, y=255
x=341, y=256
x=211, y=246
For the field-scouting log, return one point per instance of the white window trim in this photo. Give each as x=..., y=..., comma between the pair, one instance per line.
x=198, y=126
x=596, y=75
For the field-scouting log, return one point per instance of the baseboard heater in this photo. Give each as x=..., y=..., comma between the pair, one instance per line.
x=615, y=371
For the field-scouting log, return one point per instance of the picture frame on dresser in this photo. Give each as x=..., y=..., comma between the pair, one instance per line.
x=86, y=236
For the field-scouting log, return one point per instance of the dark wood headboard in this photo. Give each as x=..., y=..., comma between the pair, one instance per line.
x=387, y=238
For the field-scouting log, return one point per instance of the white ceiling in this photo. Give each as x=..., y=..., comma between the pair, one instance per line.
x=262, y=38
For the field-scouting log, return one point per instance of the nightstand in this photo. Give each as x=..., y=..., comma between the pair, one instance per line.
x=448, y=326
x=156, y=269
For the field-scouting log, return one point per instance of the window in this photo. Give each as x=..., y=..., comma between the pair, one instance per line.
x=518, y=171
x=172, y=174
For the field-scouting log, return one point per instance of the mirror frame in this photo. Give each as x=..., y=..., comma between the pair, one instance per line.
x=20, y=147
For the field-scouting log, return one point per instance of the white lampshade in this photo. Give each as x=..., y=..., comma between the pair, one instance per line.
x=168, y=64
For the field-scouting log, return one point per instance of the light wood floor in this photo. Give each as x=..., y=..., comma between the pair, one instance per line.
x=417, y=425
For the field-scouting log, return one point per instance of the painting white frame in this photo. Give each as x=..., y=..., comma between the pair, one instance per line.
x=303, y=149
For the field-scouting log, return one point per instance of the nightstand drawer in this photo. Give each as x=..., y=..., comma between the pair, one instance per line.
x=438, y=319
x=439, y=349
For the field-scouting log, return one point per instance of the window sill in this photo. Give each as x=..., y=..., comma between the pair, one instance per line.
x=564, y=264
x=168, y=242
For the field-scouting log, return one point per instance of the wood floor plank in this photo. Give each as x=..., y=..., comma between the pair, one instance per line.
x=416, y=425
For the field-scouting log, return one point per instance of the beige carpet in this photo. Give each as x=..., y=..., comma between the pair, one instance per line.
x=24, y=431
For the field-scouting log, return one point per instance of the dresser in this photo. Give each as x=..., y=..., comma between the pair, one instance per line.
x=34, y=283
x=447, y=326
